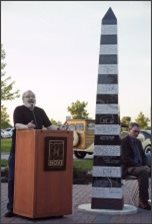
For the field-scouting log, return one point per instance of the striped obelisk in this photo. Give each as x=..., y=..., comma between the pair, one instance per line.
x=106, y=183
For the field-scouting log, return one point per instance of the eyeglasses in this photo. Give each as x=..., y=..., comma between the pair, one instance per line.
x=29, y=96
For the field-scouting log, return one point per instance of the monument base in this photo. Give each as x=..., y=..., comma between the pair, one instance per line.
x=107, y=203
x=127, y=209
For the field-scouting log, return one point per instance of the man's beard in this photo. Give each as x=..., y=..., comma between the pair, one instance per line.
x=29, y=105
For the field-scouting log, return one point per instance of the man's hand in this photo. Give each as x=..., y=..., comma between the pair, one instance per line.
x=31, y=125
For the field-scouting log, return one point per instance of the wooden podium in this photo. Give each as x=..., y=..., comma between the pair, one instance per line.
x=43, y=173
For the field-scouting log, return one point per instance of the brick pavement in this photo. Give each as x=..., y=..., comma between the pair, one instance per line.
x=81, y=195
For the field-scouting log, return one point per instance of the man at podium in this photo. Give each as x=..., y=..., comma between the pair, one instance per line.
x=26, y=116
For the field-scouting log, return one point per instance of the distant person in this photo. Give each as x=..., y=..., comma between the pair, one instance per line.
x=135, y=163
x=26, y=116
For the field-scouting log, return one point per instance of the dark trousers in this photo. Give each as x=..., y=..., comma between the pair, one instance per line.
x=11, y=166
x=142, y=173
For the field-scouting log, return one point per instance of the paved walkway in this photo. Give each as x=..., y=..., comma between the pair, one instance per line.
x=81, y=195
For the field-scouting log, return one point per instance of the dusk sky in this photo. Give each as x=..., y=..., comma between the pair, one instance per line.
x=52, y=48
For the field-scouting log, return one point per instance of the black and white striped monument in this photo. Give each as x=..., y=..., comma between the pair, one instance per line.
x=106, y=183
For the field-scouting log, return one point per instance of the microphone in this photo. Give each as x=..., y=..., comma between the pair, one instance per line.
x=32, y=109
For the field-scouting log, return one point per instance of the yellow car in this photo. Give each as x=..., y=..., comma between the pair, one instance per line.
x=83, y=136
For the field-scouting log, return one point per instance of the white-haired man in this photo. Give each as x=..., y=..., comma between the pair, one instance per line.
x=26, y=116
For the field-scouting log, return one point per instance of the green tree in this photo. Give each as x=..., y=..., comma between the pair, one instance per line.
x=4, y=117
x=7, y=92
x=54, y=122
x=77, y=110
x=125, y=121
x=142, y=120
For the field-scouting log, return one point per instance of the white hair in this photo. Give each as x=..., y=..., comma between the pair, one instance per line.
x=28, y=91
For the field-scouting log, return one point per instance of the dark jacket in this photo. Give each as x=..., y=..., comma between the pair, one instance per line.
x=128, y=154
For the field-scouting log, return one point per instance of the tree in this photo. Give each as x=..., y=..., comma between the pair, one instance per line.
x=7, y=92
x=125, y=121
x=54, y=122
x=142, y=120
x=78, y=111
x=4, y=117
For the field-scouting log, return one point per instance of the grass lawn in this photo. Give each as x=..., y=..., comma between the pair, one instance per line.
x=83, y=164
x=4, y=162
x=6, y=144
x=79, y=165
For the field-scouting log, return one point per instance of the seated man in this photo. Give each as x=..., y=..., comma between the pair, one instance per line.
x=134, y=163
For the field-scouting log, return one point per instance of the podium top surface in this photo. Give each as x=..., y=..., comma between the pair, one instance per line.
x=43, y=131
